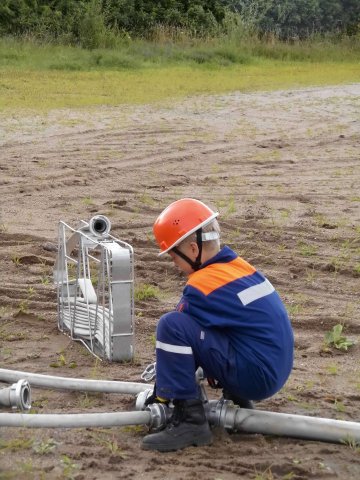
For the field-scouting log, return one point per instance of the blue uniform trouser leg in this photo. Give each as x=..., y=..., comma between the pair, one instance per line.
x=182, y=345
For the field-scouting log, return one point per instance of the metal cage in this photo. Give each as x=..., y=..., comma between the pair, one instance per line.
x=94, y=275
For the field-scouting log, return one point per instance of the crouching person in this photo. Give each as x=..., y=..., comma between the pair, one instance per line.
x=230, y=321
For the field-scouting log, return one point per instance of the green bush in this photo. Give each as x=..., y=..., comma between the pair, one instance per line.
x=100, y=23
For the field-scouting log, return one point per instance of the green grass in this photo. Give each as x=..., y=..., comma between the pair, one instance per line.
x=49, y=76
x=136, y=53
x=146, y=291
x=43, y=90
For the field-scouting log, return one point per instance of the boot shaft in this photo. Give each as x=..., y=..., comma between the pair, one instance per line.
x=188, y=411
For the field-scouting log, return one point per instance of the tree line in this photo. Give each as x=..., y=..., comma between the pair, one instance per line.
x=93, y=23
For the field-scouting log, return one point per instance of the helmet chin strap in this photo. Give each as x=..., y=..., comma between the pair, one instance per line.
x=195, y=265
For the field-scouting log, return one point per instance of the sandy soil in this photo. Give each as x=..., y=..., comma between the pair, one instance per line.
x=283, y=168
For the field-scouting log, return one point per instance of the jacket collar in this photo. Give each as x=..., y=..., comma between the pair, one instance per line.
x=225, y=255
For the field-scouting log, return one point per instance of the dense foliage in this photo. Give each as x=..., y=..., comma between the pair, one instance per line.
x=93, y=23
x=300, y=18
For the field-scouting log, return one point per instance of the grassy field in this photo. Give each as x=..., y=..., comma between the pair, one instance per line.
x=45, y=77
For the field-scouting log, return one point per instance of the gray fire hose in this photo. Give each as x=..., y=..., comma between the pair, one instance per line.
x=76, y=420
x=154, y=416
x=18, y=395
x=227, y=415
x=219, y=413
x=78, y=384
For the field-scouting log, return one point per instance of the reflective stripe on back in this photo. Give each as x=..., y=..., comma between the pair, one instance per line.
x=255, y=292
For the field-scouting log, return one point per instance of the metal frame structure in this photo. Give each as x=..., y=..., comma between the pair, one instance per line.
x=94, y=275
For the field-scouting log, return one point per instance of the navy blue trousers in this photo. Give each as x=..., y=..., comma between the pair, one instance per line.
x=183, y=345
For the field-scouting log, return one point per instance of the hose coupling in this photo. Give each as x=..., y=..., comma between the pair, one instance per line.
x=18, y=395
x=142, y=397
x=160, y=413
x=222, y=413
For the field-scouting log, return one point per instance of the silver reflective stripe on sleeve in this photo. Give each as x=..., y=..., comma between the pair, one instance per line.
x=255, y=292
x=174, y=348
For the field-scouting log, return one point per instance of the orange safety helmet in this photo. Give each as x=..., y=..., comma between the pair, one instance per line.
x=179, y=220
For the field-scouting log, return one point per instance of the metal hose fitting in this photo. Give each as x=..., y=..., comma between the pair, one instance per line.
x=18, y=395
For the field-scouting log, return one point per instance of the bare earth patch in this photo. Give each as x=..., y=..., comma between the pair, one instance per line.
x=283, y=168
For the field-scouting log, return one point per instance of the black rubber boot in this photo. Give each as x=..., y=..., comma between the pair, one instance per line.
x=242, y=402
x=187, y=426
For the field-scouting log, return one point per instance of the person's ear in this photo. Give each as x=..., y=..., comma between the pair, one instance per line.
x=194, y=249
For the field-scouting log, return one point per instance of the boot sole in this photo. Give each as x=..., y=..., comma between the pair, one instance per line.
x=195, y=442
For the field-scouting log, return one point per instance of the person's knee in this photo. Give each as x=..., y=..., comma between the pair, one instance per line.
x=173, y=325
x=171, y=320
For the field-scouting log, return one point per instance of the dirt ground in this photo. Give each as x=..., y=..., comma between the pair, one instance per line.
x=283, y=169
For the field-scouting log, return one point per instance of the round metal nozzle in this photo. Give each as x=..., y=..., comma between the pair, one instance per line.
x=100, y=226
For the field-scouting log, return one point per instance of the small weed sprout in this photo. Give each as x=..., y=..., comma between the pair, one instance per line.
x=147, y=200
x=85, y=401
x=40, y=402
x=30, y=292
x=265, y=475
x=293, y=309
x=23, y=307
x=333, y=369
x=307, y=250
x=111, y=445
x=334, y=338
x=215, y=168
x=153, y=340
x=288, y=476
x=146, y=291
x=352, y=443
x=61, y=362
x=16, y=260
x=284, y=213
x=339, y=406
x=135, y=429
x=16, y=444
x=95, y=371
x=45, y=280
x=310, y=275
x=68, y=467
x=87, y=201
x=231, y=207
x=45, y=447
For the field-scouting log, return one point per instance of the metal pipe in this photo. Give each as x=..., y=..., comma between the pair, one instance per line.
x=230, y=416
x=75, y=420
x=78, y=384
x=18, y=395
